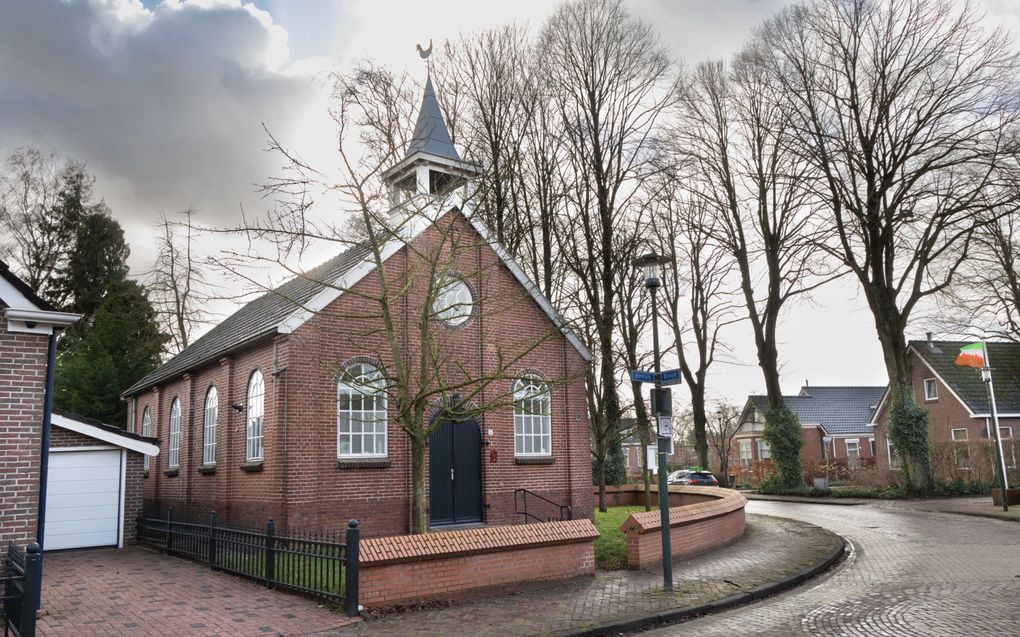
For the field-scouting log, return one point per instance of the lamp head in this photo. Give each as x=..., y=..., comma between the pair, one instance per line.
x=650, y=265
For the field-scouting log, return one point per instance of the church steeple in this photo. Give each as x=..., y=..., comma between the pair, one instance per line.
x=431, y=165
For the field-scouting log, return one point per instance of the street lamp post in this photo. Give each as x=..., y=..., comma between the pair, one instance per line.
x=650, y=264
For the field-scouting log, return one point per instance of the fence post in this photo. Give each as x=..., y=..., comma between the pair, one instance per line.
x=212, y=539
x=351, y=550
x=270, y=553
x=30, y=589
x=169, y=522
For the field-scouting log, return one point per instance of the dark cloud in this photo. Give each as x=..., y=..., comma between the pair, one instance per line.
x=165, y=105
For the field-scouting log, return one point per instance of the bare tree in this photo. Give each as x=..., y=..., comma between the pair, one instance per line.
x=176, y=283
x=699, y=292
x=34, y=234
x=608, y=75
x=723, y=423
x=735, y=134
x=905, y=110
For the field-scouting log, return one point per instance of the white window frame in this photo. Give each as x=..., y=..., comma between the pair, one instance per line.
x=454, y=301
x=255, y=412
x=764, y=451
x=933, y=385
x=853, y=461
x=894, y=458
x=956, y=455
x=146, y=431
x=871, y=444
x=212, y=409
x=361, y=403
x=747, y=459
x=532, y=418
x=173, y=452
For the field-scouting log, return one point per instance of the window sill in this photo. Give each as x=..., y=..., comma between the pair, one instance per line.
x=207, y=469
x=534, y=459
x=252, y=466
x=362, y=463
x=172, y=473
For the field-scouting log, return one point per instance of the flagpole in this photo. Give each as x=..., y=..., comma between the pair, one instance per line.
x=986, y=375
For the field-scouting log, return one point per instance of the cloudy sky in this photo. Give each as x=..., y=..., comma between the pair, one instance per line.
x=165, y=100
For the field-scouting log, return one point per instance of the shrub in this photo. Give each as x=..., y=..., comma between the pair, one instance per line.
x=782, y=432
x=908, y=432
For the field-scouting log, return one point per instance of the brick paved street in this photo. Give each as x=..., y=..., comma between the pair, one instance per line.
x=772, y=548
x=139, y=592
x=911, y=573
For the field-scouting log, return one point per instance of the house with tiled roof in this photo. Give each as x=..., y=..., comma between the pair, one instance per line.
x=835, y=422
x=959, y=417
x=285, y=409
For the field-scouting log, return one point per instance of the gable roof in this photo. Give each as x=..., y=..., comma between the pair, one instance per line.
x=287, y=307
x=966, y=383
x=839, y=410
x=106, y=433
x=20, y=286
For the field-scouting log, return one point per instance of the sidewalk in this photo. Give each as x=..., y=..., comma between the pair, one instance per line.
x=773, y=550
x=980, y=506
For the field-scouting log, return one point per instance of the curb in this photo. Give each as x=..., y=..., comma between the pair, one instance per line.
x=737, y=599
x=971, y=514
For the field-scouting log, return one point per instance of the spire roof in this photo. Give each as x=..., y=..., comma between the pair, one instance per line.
x=430, y=133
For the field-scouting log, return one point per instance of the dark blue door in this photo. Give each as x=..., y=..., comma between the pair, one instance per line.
x=455, y=473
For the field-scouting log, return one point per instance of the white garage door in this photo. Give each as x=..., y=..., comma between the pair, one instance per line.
x=83, y=499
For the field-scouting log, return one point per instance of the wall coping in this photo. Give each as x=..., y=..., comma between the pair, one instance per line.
x=725, y=501
x=489, y=539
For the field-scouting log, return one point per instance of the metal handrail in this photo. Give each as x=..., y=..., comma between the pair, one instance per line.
x=566, y=513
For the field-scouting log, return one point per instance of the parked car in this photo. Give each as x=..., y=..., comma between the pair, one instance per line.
x=692, y=478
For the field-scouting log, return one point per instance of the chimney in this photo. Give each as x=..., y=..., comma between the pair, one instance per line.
x=930, y=344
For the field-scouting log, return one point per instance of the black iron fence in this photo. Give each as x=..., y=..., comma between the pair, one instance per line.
x=20, y=588
x=315, y=563
x=545, y=505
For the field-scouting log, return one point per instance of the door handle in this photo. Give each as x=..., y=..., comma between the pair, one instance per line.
x=451, y=473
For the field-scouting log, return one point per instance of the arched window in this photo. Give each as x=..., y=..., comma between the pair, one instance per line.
x=212, y=408
x=361, y=416
x=173, y=455
x=532, y=418
x=146, y=431
x=256, y=416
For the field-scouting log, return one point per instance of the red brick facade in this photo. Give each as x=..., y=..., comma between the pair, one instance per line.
x=22, y=391
x=300, y=482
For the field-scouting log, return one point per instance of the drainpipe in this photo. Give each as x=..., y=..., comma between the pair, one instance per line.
x=44, y=460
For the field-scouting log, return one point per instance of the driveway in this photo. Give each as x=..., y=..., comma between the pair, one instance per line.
x=136, y=591
x=911, y=573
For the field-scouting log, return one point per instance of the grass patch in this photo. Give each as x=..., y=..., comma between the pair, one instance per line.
x=611, y=545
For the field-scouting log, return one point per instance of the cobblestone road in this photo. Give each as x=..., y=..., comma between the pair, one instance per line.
x=911, y=573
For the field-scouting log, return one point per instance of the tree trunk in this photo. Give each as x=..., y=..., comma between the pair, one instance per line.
x=419, y=512
x=700, y=424
x=602, y=485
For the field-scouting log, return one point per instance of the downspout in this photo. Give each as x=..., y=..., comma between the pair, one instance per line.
x=44, y=460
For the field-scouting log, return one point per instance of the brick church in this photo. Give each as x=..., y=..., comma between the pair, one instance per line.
x=286, y=409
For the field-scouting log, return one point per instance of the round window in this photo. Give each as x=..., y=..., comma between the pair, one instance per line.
x=454, y=303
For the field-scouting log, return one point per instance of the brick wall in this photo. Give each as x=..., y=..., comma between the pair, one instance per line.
x=456, y=563
x=134, y=481
x=22, y=391
x=693, y=527
x=300, y=483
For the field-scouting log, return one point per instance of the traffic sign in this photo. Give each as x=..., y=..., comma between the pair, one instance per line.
x=638, y=376
x=670, y=377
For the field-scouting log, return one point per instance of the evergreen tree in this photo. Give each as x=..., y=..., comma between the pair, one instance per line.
x=122, y=344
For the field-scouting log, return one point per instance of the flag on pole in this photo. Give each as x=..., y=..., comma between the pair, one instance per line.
x=972, y=355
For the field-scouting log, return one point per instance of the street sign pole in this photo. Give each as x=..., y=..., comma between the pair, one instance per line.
x=657, y=408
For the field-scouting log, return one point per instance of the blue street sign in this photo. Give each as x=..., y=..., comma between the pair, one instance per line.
x=639, y=376
x=670, y=377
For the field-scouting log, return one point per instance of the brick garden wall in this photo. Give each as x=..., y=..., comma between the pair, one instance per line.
x=22, y=391
x=694, y=527
x=453, y=564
